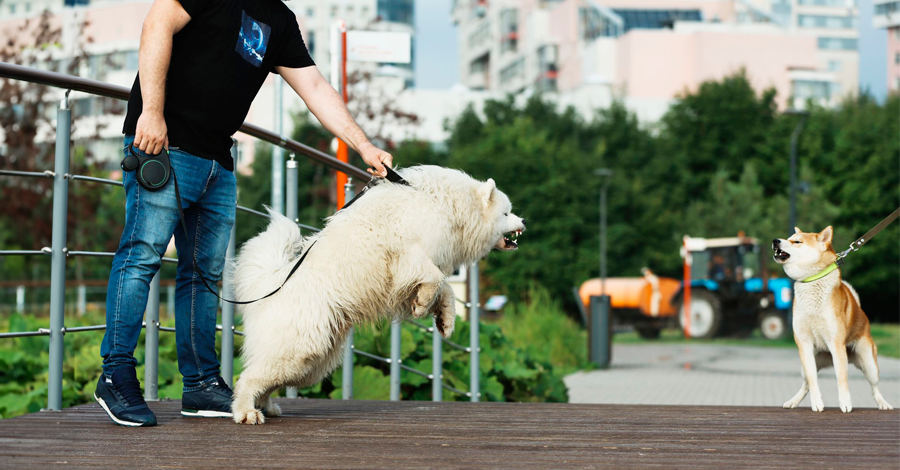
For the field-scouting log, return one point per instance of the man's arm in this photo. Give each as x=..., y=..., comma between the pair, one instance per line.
x=166, y=17
x=328, y=107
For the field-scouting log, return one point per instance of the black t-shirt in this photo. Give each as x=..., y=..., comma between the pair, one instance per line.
x=219, y=61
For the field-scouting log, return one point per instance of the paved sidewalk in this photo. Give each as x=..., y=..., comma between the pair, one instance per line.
x=696, y=374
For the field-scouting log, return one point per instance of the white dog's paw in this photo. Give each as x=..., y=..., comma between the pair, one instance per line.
x=252, y=416
x=790, y=404
x=445, y=324
x=817, y=403
x=418, y=310
x=882, y=404
x=272, y=409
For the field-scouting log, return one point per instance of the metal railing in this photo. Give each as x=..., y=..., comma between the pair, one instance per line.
x=59, y=252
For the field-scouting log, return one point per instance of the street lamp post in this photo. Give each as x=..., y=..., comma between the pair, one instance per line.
x=795, y=136
x=606, y=174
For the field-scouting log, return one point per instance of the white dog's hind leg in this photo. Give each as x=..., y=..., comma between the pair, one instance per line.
x=266, y=404
x=865, y=358
x=804, y=389
x=249, y=388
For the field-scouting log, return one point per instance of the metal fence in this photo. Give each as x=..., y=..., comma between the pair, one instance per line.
x=59, y=252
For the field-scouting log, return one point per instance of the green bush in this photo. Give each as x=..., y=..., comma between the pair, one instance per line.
x=512, y=368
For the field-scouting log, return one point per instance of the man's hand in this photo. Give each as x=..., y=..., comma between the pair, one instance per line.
x=151, y=134
x=376, y=158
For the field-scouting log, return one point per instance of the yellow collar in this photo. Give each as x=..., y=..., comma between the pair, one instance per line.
x=815, y=277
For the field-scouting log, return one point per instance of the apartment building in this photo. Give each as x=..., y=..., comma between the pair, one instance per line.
x=887, y=16
x=654, y=49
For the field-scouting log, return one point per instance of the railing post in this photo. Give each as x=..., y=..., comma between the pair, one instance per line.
x=227, y=361
x=278, y=176
x=58, y=263
x=20, y=299
x=151, y=342
x=437, y=365
x=395, y=360
x=291, y=197
x=228, y=318
x=82, y=300
x=347, y=388
x=474, y=307
x=170, y=301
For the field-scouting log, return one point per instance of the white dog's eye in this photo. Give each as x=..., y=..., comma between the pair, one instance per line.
x=506, y=214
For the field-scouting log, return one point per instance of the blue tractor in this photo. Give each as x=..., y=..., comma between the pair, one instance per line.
x=732, y=292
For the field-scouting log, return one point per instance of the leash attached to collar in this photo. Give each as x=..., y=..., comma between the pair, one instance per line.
x=855, y=246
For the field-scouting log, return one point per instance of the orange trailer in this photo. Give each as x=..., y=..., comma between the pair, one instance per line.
x=644, y=302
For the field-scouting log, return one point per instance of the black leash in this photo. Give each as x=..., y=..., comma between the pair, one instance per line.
x=392, y=176
x=870, y=234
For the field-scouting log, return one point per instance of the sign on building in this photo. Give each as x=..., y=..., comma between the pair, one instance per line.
x=378, y=46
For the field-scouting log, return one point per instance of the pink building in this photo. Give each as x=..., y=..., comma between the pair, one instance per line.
x=646, y=50
x=887, y=16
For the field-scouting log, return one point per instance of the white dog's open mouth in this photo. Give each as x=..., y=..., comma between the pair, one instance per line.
x=505, y=244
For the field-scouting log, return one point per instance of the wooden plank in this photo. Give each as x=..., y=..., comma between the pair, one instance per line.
x=399, y=435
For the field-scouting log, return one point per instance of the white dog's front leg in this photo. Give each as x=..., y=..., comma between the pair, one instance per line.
x=445, y=311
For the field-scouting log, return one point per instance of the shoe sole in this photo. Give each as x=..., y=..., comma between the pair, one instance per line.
x=118, y=421
x=205, y=413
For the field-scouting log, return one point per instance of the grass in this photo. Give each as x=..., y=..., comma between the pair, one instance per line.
x=886, y=336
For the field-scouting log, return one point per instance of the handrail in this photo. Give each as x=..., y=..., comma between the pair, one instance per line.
x=96, y=87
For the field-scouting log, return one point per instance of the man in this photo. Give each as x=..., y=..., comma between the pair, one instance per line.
x=201, y=64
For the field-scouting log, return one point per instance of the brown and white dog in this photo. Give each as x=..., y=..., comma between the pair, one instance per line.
x=830, y=328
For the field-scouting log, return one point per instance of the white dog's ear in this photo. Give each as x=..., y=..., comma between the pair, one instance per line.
x=797, y=230
x=486, y=190
x=825, y=235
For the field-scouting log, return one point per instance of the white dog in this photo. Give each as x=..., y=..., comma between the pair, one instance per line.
x=387, y=255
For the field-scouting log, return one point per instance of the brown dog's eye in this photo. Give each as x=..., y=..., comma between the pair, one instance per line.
x=795, y=242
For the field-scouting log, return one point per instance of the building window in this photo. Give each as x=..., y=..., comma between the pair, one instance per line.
x=834, y=66
x=896, y=83
x=513, y=71
x=812, y=89
x=827, y=22
x=310, y=12
x=481, y=34
x=396, y=11
x=825, y=3
x=12, y=9
x=547, y=67
x=656, y=19
x=311, y=43
x=897, y=58
x=592, y=24
x=887, y=8
x=27, y=7
x=838, y=44
x=509, y=30
x=334, y=11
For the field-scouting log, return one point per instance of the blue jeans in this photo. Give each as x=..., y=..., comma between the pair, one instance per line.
x=209, y=197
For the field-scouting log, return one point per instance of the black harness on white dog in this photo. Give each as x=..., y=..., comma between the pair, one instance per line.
x=153, y=173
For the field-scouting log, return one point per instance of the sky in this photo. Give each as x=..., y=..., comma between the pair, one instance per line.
x=435, y=45
x=872, y=53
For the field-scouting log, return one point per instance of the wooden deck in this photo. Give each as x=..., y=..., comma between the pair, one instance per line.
x=395, y=435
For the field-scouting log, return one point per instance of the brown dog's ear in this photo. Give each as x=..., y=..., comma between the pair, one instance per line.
x=797, y=230
x=825, y=235
x=486, y=190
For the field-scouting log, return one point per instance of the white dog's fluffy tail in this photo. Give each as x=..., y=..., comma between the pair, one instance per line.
x=266, y=259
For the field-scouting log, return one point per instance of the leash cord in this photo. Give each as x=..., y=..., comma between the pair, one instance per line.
x=869, y=235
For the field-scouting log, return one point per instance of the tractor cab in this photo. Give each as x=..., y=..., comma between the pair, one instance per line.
x=731, y=290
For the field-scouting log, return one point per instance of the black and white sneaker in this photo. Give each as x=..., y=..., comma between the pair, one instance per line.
x=120, y=396
x=214, y=401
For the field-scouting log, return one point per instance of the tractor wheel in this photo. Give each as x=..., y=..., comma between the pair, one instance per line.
x=773, y=325
x=649, y=332
x=706, y=315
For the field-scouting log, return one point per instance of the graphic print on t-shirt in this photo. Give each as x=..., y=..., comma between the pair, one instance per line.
x=252, y=40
